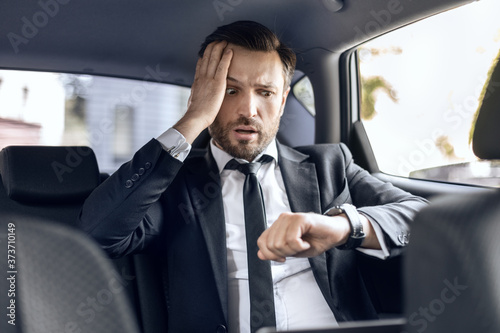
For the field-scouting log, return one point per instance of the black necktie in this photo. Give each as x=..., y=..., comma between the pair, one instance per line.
x=259, y=272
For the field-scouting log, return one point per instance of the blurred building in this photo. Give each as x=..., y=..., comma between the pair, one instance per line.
x=31, y=108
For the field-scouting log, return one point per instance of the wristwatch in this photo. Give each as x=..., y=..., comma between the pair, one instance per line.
x=357, y=235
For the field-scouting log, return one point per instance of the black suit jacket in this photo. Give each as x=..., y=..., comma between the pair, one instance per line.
x=176, y=208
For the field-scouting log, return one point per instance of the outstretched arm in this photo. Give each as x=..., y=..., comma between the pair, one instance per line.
x=308, y=235
x=386, y=213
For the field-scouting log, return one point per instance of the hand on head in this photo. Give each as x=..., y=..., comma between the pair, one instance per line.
x=207, y=91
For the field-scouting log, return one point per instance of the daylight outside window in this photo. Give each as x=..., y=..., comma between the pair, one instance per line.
x=115, y=117
x=421, y=87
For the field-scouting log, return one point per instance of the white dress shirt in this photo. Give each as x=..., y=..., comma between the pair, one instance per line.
x=298, y=299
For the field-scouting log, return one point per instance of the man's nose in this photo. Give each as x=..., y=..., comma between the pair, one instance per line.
x=247, y=106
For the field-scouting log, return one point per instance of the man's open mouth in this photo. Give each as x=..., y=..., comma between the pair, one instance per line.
x=245, y=131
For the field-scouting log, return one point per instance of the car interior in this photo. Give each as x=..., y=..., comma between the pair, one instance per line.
x=57, y=279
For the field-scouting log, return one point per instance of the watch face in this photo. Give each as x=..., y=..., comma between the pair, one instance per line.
x=334, y=211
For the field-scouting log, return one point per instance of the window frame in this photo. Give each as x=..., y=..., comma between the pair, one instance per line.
x=356, y=138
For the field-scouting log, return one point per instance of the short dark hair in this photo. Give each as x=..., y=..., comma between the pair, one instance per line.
x=255, y=37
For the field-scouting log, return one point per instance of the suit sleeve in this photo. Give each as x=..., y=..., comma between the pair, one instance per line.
x=382, y=203
x=123, y=214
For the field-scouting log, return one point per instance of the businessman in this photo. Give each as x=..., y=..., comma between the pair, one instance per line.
x=206, y=213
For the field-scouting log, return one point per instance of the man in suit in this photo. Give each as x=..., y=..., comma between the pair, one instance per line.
x=191, y=208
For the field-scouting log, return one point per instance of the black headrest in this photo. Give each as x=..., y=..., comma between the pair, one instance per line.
x=486, y=139
x=43, y=174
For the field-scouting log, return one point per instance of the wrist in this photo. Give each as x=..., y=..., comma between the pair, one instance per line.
x=356, y=233
x=190, y=128
x=347, y=228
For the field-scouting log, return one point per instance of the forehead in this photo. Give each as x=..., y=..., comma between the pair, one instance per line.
x=256, y=67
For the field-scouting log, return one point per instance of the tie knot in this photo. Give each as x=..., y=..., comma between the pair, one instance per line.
x=248, y=168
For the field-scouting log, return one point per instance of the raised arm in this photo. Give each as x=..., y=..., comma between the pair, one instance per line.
x=123, y=214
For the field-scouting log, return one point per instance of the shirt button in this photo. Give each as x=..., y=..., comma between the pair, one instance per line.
x=135, y=177
x=221, y=329
x=147, y=165
x=141, y=171
x=129, y=184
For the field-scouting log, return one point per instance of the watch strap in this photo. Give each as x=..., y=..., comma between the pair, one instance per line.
x=357, y=235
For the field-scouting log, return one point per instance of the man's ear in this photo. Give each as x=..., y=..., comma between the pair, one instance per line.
x=283, y=102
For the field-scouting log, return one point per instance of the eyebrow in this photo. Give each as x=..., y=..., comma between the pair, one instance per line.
x=261, y=85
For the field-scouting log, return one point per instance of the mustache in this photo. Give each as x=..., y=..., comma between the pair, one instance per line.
x=247, y=122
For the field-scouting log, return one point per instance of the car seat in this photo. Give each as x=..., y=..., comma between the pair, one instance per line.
x=452, y=269
x=42, y=190
x=66, y=282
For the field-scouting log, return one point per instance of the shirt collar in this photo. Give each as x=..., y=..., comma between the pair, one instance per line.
x=221, y=157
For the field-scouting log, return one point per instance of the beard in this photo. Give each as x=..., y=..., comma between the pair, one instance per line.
x=243, y=149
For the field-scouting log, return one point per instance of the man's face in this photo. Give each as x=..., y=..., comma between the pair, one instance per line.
x=255, y=98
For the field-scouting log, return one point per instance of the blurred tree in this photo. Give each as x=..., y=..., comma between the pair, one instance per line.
x=370, y=86
x=445, y=147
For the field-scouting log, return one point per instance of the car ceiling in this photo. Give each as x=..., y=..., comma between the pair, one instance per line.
x=159, y=40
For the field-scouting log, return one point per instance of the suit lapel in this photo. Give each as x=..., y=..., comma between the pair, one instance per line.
x=300, y=180
x=205, y=191
x=302, y=189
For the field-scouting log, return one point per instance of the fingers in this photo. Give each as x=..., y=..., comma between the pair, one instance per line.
x=302, y=235
x=207, y=92
x=283, y=239
x=211, y=73
x=223, y=67
x=202, y=64
x=215, y=60
x=279, y=253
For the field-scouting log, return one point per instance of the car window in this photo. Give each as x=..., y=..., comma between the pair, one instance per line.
x=297, y=126
x=113, y=116
x=421, y=87
x=303, y=91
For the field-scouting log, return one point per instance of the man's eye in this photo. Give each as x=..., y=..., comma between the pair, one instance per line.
x=266, y=93
x=230, y=91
